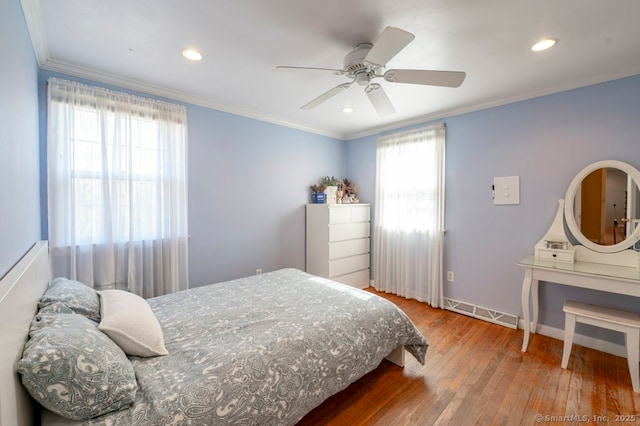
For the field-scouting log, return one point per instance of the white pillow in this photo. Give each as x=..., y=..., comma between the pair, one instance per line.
x=129, y=321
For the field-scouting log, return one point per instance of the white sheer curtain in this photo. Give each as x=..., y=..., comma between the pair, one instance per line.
x=117, y=197
x=408, y=230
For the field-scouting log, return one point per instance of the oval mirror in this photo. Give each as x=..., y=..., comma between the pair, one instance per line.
x=602, y=206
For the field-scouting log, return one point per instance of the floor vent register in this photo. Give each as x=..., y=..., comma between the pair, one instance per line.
x=486, y=314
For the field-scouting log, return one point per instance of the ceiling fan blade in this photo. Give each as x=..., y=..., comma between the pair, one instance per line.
x=287, y=68
x=391, y=41
x=379, y=99
x=326, y=96
x=428, y=77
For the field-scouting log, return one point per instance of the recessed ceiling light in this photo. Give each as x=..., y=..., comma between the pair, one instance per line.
x=192, y=55
x=544, y=44
x=347, y=110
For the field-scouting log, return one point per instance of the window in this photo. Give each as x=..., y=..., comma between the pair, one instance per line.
x=409, y=214
x=116, y=182
x=125, y=173
x=408, y=183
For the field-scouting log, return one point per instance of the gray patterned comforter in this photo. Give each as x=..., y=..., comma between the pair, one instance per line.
x=262, y=350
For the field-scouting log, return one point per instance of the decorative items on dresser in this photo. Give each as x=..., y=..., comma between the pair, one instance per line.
x=331, y=190
x=338, y=246
x=317, y=194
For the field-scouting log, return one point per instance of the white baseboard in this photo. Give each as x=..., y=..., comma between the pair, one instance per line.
x=580, y=339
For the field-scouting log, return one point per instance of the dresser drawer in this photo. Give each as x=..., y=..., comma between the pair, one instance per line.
x=348, y=248
x=339, y=215
x=348, y=214
x=347, y=265
x=360, y=214
x=348, y=231
x=359, y=279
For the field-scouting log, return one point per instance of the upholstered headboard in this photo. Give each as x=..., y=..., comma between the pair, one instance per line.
x=20, y=291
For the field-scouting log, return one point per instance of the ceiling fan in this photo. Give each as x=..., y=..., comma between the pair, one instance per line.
x=366, y=63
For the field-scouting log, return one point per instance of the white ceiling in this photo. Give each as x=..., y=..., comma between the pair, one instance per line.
x=136, y=44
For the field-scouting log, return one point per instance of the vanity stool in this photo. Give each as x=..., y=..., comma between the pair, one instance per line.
x=612, y=319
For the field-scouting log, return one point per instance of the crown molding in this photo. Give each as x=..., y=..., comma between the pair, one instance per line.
x=176, y=95
x=500, y=102
x=35, y=25
x=141, y=86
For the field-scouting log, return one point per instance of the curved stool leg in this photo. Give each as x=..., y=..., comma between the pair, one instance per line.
x=569, y=328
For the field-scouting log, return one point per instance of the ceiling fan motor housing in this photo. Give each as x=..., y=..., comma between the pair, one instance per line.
x=355, y=65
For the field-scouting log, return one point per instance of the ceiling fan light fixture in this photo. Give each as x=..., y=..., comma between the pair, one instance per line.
x=192, y=54
x=544, y=44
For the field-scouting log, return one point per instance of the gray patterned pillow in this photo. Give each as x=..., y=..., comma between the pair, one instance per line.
x=75, y=370
x=78, y=297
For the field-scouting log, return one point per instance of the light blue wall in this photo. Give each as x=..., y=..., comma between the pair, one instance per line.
x=19, y=167
x=248, y=184
x=545, y=141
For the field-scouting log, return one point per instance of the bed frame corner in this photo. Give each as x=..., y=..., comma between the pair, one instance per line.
x=20, y=291
x=396, y=356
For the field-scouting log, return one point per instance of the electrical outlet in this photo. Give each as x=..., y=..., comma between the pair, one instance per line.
x=450, y=276
x=259, y=271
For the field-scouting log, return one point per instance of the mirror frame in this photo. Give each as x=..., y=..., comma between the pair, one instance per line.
x=569, y=211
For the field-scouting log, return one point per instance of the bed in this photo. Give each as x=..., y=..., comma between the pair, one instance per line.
x=259, y=350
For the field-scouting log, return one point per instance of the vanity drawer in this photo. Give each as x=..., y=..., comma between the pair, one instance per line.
x=559, y=255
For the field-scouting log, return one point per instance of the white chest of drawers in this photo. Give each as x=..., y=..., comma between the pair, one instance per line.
x=338, y=242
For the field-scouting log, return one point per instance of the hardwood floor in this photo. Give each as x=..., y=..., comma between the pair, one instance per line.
x=476, y=374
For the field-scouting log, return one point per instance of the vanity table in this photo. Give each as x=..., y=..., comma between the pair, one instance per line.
x=596, y=276
x=596, y=264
